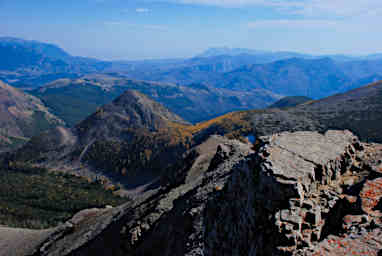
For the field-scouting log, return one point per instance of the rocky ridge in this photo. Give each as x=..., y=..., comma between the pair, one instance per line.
x=301, y=193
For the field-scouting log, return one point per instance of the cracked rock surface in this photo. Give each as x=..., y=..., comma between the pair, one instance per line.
x=307, y=194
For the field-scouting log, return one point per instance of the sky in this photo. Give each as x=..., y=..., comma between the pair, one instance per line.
x=146, y=29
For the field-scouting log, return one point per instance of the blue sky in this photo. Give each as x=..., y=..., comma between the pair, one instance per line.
x=137, y=29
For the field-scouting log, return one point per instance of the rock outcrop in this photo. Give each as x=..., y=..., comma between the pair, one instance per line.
x=303, y=190
x=301, y=193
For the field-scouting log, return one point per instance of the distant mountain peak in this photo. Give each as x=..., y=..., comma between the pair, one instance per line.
x=216, y=51
x=48, y=49
x=36, y=57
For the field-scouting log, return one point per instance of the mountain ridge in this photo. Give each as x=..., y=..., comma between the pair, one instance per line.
x=129, y=141
x=41, y=63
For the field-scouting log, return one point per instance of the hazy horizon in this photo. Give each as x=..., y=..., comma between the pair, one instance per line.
x=153, y=29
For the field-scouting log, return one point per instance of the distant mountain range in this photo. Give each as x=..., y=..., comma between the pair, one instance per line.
x=315, y=78
x=197, y=89
x=75, y=99
x=312, y=78
x=284, y=73
x=216, y=82
x=31, y=64
x=263, y=56
x=271, y=56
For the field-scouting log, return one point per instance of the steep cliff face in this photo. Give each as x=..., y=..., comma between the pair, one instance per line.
x=302, y=193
